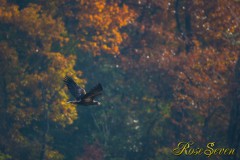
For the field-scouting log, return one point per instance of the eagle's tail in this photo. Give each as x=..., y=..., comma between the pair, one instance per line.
x=73, y=102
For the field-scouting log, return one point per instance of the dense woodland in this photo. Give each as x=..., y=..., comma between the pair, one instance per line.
x=170, y=70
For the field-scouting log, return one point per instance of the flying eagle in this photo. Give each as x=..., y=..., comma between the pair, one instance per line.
x=80, y=95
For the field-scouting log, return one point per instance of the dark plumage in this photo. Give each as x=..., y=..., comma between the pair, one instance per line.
x=80, y=95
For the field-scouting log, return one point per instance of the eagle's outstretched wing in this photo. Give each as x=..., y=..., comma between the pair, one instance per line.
x=93, y=92
x=74, y=89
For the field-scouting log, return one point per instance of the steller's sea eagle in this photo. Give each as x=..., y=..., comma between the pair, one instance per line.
x=80, y=95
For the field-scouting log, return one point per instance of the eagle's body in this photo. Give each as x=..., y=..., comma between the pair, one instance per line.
x=80, y=95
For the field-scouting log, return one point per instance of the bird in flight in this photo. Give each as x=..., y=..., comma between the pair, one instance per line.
x=80, y=95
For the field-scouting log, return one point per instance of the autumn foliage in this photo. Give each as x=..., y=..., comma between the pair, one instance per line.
x=170, y=71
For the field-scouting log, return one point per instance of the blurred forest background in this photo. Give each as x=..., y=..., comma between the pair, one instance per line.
x=170, y=70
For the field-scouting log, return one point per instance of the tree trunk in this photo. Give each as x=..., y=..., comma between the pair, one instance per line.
x=234, y=125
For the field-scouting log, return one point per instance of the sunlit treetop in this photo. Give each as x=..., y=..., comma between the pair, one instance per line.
x=31, y=71
x=33, y=21
x=98, y=25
